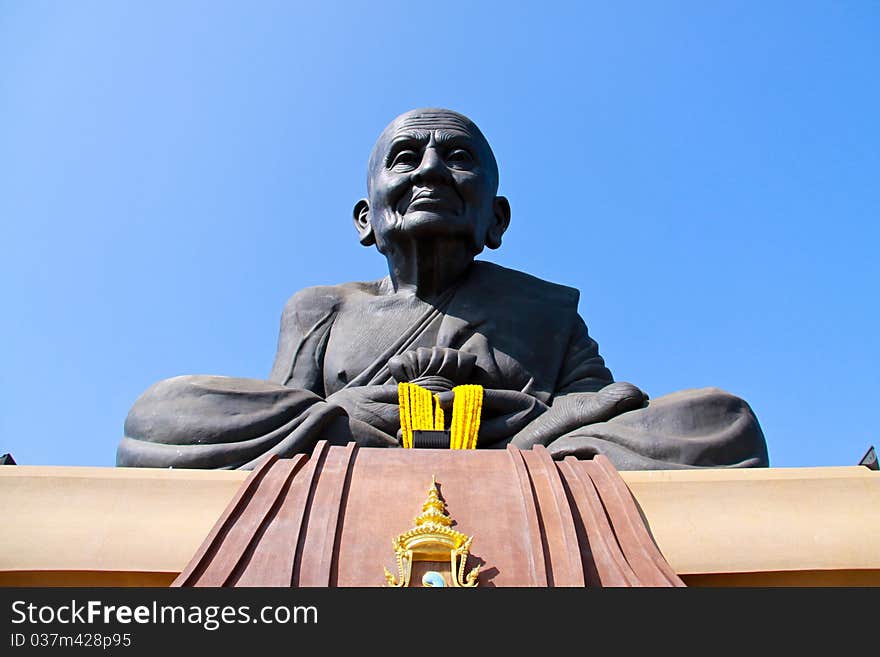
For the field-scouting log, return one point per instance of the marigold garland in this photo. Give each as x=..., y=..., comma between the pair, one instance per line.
x=421, y=410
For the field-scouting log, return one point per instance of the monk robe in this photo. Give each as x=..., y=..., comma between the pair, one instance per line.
x=340, y=357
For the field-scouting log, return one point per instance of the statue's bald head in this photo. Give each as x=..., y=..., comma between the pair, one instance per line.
x=432, y=175
x=426, y=120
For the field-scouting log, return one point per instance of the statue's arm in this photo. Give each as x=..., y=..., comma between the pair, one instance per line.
x=583, y=369
x=585, y=393
x=305, y=325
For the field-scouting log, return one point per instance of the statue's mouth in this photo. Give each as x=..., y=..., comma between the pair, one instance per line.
x=434, y=200
x=428, y=203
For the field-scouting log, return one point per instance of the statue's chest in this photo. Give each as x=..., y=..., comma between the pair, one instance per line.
x=369, y=330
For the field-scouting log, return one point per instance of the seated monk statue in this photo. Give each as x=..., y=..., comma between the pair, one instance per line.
x=440, y=319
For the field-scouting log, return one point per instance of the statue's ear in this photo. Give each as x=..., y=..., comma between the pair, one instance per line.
x=501, y=210
x=361, y=214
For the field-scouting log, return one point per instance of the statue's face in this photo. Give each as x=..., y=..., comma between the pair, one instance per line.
x=432, y=174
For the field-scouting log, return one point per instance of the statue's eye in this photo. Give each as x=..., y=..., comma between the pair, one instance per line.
x=459, y=157
x=405, y=159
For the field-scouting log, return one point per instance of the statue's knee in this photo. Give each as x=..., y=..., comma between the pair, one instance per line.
x=709, y=395
x=156, y=403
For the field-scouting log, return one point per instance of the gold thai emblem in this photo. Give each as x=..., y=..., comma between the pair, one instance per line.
x=432, y=547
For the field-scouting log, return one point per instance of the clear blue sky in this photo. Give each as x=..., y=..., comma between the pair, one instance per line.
x=705, y=173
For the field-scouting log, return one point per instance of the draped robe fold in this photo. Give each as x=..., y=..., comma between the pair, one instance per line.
x=527, y=337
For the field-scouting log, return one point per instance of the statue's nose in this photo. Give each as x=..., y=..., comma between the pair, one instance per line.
x=432, y=168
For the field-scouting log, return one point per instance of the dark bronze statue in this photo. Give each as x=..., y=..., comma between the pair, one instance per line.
x=439, y=319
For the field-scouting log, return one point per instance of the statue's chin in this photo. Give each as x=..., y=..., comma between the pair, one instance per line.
x=426, y=216
x=427, y=224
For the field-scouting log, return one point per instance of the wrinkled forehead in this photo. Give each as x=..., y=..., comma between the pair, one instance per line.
x=427, y=120
x=421, y=124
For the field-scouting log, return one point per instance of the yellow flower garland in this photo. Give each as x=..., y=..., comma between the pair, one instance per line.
x=420, y=410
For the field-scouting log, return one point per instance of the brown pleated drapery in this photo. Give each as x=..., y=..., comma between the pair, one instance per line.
x=328, y=519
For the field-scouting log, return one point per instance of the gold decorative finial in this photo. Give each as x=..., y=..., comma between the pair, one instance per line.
x=433, y=510
x=432, y=539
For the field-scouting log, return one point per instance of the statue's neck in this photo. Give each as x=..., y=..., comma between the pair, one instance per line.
x=427, y=269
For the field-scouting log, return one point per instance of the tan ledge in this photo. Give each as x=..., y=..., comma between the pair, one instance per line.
x=89, y=526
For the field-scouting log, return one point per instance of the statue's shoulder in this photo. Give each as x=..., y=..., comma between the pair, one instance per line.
x=506, y=282
x=323, y=299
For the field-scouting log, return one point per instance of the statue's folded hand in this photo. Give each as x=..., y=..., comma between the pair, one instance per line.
x=377, y=406
x=506, y=413
x=503, y=414
x=434, y=368
x=578, y=409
